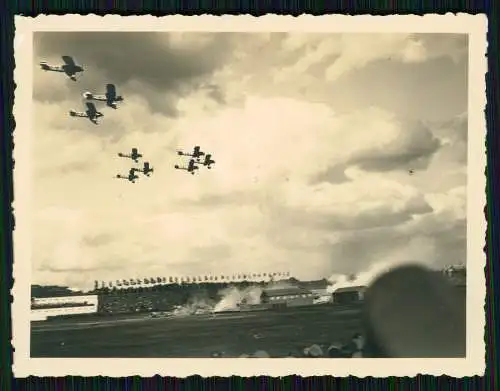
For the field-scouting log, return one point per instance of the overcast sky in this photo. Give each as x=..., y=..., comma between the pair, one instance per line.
x=313, y=137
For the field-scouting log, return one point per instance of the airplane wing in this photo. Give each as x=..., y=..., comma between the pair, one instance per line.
x=91, y=108
x=110, y=93
x=68, y=60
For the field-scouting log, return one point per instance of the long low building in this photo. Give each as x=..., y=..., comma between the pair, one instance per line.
x=287, y=297
x=46, y=307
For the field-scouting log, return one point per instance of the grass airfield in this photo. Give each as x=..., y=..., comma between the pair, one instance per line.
x=277, y=332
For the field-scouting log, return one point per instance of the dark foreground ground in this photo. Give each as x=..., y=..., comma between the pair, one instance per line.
x=278, y=333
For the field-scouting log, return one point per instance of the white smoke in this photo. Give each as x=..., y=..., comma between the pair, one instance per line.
x=365, y=278
x=193, y=307
x=232, y=297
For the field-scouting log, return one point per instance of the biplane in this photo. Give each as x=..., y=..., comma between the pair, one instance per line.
x=134, y=155
x=70, y=68
x=191, y=167
x=110, y=97
x=131, y=176
x=208, y=161
x=91, y=113
x=197, y=153
x=146, y=170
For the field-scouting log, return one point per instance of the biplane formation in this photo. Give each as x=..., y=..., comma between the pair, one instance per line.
x=134, y=155
x=195, y=160
x=110, y=97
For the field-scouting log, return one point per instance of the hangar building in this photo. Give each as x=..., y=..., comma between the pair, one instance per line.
x=348, y=295
x=287, y=297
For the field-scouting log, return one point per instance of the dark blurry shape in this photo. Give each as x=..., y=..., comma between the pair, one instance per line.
x=413, y=312
x=190, y=168
x=134, y=155
x=411, y=172
x=110, y=97
x=69, y=68
x=91, y=113
x=131, y=176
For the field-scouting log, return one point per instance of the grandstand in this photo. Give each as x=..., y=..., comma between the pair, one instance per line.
x=47, y=307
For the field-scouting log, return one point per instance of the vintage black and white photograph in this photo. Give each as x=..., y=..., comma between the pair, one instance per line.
x=266, y=193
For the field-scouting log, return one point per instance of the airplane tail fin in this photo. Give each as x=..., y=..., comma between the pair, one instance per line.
x=88, y=95
x=177, y=167
x=44, y=65
x=72, y=113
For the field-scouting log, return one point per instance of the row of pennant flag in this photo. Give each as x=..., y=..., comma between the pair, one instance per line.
x=191, y=280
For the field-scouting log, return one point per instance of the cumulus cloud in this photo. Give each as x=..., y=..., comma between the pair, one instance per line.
x=159, y=66
x=298, y=185
x=338, y=54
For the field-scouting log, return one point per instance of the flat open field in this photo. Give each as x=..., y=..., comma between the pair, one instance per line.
x=279, y=333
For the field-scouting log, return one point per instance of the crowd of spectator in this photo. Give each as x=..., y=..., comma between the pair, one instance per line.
x=354, y=348
x=156, y=298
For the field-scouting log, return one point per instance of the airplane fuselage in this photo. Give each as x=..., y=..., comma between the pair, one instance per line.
x=96, y=97
x=195, y=155
x=110, y=100
x=188, y=169
x=87, y=114
x=134, y=157
x=130, y=178
x=53, y=68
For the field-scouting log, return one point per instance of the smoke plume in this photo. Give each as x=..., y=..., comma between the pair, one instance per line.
x=232, y=297
x=364, y=278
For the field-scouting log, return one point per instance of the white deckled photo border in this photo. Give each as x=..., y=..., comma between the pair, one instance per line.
x=474, y=363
